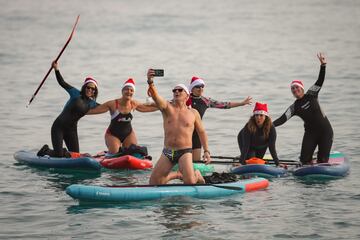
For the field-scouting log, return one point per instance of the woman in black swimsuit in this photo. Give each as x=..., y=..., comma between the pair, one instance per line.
x=318, y=130
x=120, y=132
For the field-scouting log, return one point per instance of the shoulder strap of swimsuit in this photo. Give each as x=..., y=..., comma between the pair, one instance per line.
x=116, y=112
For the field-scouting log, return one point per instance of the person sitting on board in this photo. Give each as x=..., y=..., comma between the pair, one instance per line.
x=120, y=132
x=201, y=104
x=179, y=124
x=318, y=130
x=64, y=127
x=257, y=135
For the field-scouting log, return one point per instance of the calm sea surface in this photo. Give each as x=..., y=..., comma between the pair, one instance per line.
x=240, y=48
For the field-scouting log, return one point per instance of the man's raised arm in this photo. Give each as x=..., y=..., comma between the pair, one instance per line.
x=161, y=103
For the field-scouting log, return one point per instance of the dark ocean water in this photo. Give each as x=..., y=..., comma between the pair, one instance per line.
x=240, y=48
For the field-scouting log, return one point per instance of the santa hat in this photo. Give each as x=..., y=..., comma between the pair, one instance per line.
x=195, y=81
x=183, y=87
x=129, y=83
x=261, y=108
x=90, y=80
x=298, y=83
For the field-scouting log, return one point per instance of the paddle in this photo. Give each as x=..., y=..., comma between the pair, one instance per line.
x=230, y=162
x=216, y=162
x=227, y=187
x=282, y=161
x=225, y=157
x=268, y=160
x=61, y=52
x=181, y=185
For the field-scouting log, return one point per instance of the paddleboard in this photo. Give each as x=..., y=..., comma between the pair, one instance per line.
x=135, y=193
x=202, y=167
x=125, y=162
x=337, y=167
x=82, y=163
x=259, y=170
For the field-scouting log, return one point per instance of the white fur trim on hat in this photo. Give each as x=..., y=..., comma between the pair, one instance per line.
x=298, y=83
x=129, y=83
x=195, y=82
x=90, y=80
x=261, y=112
x=183, y=87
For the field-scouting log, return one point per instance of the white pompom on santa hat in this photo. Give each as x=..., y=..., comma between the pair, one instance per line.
x=195, y=81
x=90, y=79
x=129, y=83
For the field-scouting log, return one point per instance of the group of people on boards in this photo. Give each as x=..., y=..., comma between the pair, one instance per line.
x=184, y=133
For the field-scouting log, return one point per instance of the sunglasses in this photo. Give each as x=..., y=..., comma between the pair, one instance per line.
x=91, y=88
x=177, y=90
x=199, y=86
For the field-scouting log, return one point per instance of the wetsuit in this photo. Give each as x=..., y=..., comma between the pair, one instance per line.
x=255, y=144
x=318, y=130
x=120, y=125
x=64, y=127
x=201, y=104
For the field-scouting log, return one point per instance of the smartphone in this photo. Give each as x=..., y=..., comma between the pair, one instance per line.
x=159, y=72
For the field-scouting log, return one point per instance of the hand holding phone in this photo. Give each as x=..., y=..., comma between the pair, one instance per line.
x=159, y=72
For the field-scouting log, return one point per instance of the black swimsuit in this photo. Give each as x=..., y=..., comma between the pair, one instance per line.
x=175, y=155
x=318, y=130
x=120, y=125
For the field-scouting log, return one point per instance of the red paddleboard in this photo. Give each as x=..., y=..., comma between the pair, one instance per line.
x=125, y=162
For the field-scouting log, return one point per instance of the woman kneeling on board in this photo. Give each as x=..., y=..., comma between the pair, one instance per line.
x=64, y=127
x=258, y=135
x=318, y=130
x=120, y=132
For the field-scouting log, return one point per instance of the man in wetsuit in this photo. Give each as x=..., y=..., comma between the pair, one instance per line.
x=318, y=130
x=179, y=124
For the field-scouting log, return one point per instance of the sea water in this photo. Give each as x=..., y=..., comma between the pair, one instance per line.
x=240, y=48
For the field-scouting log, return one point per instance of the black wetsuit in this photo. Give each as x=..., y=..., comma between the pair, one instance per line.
x=64, y=127
x=318, y=130
x=120, y=125
x=201, y=104
x=255, y=144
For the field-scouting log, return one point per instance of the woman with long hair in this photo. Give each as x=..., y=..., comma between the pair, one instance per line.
x=64, y=127
x=258, y=135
